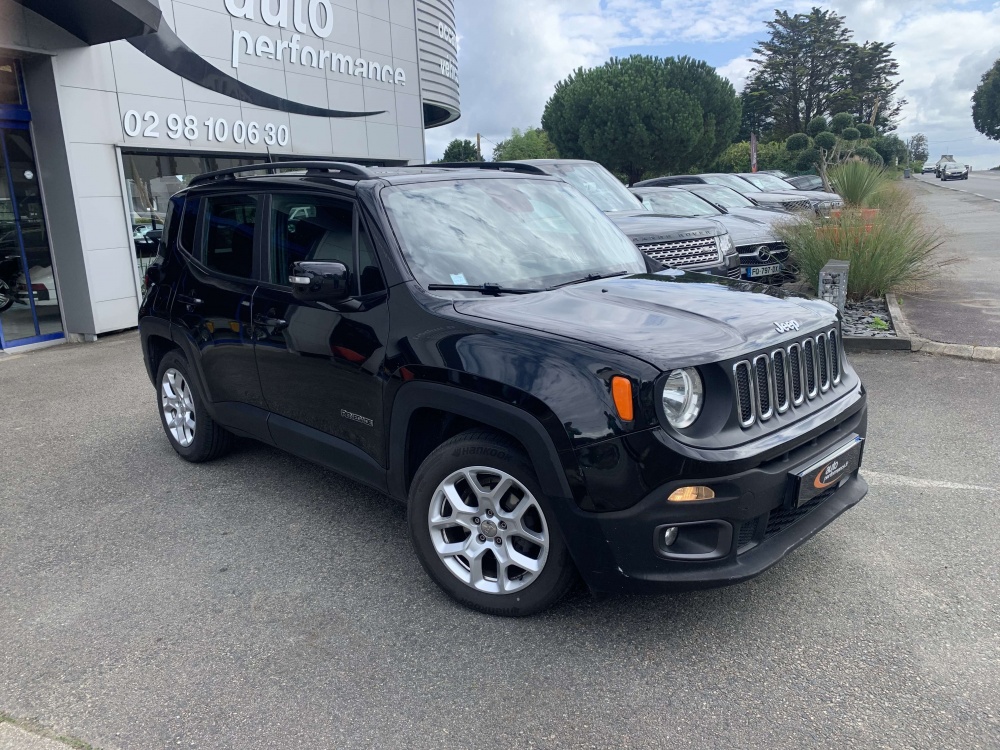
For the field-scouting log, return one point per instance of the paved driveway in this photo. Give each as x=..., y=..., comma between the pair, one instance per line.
x=260, y=602
x=961, y=304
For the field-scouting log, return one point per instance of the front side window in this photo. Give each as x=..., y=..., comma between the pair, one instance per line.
x=528, y=233
x=228, y=234
x=311, y=227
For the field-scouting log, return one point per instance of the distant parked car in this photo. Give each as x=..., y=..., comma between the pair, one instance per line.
x=927, y=169
x=763, y=255
x=806, y=182
x=952, y=171
x=695, y=245
x=762, y=189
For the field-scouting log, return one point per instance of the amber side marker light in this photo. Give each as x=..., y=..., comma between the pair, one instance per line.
x=688, y=494
x=621, y=390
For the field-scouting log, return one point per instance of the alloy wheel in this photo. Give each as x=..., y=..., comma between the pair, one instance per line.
x=178, y=407
x=488, y=530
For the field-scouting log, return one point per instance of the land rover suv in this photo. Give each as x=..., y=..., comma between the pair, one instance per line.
x=491, y=350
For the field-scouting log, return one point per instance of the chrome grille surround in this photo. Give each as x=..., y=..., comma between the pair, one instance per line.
x=763, y=386
x=746, y=407
x=779, y=368
x=681, y=253
x=787, y=377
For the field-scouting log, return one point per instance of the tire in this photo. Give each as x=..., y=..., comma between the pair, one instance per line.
x=6, y=296
x=190, y=429
x=456, y=544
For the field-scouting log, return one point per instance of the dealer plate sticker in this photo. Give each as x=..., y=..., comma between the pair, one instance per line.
x=828, y=472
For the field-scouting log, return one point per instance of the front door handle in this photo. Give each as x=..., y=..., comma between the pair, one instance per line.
x=277, y=324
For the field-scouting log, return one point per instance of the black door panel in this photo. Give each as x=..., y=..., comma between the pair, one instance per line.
x=321, y=365
x=212, y=307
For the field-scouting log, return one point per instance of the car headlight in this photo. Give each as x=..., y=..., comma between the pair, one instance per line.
x=683, y=396
x=725, y=242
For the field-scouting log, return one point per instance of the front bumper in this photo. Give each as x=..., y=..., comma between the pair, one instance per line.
x=749, y=526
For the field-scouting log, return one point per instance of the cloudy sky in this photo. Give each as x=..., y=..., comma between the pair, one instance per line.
x=512, y=53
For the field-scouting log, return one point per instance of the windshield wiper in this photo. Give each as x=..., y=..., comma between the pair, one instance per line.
x=590, y=277
x=489, y=289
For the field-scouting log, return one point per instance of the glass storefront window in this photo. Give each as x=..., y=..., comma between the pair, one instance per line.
x=152, y=179
x=29, y=303
x=10, y=89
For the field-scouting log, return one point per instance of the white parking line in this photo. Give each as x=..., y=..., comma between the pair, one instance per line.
x=876, y=478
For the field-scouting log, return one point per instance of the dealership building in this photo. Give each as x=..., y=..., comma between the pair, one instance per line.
x=108, y=107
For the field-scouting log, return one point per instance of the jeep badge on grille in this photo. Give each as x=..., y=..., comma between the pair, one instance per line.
x=788, y=325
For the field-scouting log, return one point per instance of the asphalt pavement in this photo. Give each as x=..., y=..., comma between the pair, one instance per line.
x=960, y=304
x=260, y=601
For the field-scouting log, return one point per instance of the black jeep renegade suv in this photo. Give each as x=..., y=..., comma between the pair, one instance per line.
x=490, y=349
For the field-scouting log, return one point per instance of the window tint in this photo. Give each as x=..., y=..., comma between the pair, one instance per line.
x=310, y=227
x=229, y=233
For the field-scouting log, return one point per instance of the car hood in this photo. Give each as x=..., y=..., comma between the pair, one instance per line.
x=767, y=217
x=772, y=198
x=644, y=227
x=669, y=319
x=814, y=195
x=746, y=231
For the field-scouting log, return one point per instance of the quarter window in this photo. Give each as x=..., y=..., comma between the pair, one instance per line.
x=228, y=234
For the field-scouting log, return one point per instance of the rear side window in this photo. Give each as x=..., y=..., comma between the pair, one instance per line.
x=228, y=230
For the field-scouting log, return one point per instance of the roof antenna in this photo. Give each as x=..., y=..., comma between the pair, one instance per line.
x=270, y=170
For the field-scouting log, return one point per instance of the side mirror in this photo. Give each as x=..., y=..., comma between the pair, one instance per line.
x=320, y=281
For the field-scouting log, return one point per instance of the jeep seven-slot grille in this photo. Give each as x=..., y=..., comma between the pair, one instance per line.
x=681, y=253
x=789, y=376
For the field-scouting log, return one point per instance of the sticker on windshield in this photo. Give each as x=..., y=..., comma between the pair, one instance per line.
x=458, y=278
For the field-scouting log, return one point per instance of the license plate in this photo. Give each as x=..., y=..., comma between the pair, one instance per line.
x=826, y=473
x=769, y=270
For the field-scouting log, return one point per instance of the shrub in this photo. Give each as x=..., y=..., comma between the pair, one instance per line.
x=858, y=182
x=891, y=250
x=807, y=160
x=869, y=154
x=850, y=134
x=840, y=122
x=825, y=140
x=866, y=130
x=816, y=125
x=797, y=142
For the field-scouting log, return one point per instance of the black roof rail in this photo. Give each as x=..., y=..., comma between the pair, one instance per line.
x=312, y=167
x=500, y=166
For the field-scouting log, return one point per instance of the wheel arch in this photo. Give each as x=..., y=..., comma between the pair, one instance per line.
x=424, y=415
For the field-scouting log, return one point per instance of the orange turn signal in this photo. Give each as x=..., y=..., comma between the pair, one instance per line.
x=621, y=390
x=689, y=494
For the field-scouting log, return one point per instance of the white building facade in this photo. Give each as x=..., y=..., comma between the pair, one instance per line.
x=107, y=107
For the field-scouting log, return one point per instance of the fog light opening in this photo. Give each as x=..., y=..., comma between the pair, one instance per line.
x=690, y=494
x=669, y=536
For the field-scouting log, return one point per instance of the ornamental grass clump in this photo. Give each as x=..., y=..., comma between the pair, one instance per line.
x=888, y=250
x=859, y=183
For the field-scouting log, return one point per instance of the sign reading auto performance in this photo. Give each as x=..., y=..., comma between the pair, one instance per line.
x=313, y=17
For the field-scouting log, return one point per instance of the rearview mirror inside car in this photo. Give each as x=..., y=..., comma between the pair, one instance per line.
x=319, y=281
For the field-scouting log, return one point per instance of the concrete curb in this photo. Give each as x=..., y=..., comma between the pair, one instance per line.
x=919, y=344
